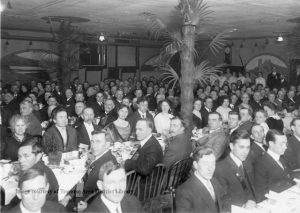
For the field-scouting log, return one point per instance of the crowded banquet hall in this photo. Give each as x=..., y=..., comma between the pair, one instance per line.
x=168, y=106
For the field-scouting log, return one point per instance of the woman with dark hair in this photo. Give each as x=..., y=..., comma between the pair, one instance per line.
x=273, y=120
x=197, y=118
x=120, y=129
x=9, y=147
x=162, y=120
x=224, y=109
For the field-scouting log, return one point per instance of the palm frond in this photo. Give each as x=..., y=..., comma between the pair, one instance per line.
x=170, y=74
x=156, y=26
x=204, y=72
x=193, y=12
x=218, y=41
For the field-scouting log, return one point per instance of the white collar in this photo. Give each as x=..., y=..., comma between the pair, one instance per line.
x=260, y=145
x=142, y=142
x=142, y=113
x=203, y=180
x=231, y=131
x=99, y=156
x=61, y=128
x=87, y=124
x=111, y=205
x=24, y=210
x=237, y=161
x=274, y=155
x=208, y=110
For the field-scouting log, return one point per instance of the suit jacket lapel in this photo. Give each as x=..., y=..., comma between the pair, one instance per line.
x=276, y=166
x=206, y=195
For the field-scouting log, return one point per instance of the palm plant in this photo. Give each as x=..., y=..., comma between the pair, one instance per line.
x=181, y=39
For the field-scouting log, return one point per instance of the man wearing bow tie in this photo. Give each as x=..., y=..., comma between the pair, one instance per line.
x=271, y=171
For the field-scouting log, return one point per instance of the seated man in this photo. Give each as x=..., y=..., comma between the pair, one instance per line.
x=292, y=153
x=246, y=119
x=202, y=192
x=32, y=191
x=30, y=156
x=60, y=137
x=233, y=121
x=216, y=138
x=257, y=148
x=179, y=145
x=113, y=199
x=271, y=171
x=235, y=173
x=149, y=154
x=84, y=131
x=100, y=155
x=109, y=115
x=34, y=127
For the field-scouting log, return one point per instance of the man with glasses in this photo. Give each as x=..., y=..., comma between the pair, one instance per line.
x=32, y=191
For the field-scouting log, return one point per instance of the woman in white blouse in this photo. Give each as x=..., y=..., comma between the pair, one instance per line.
x=224, y=109
x=162, y=120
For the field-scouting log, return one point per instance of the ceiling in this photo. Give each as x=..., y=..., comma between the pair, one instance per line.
x=251, y=18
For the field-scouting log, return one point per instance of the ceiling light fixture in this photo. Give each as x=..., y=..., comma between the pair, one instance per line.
x=6, y=43
x=101, y=37
x=279, y=38
x=30, y=43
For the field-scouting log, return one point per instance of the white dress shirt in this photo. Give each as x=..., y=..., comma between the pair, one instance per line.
x=89, y=128
x=24, y=210
x=112, y=207
x=63, y=133
x=260, y=145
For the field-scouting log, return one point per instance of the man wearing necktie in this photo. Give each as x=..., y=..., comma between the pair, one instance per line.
x=235, y=173
x=113, y=199
x=202, y=192
x=258, y=147
x=271, y=171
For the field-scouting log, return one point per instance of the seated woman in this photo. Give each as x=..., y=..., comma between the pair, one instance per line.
x=162, y=120
x=10, y=146
x=273, y=120
x=197, y=119
x=120, y=129
x=224, y=109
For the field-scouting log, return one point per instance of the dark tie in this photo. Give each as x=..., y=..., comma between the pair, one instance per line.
x=103, y=120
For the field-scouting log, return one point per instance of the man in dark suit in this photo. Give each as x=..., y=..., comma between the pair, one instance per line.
x=257, y=148
x=235, y=173
x=233, y=121
x=30, y=156
x=271, y=171
x=208, y=104
x=69, y=102
x=292, y=153
x=141, y=112
x=98, y=105
x=32, y=191
x=84, y=131
x=246, y=119
x=109, y=115
x=151, y=99
x=99, y=156
x=112, y=183
x=149, y=154
x=216, y=137
x=255, y=103
x=273, y=80
x=179, y=144
x=202, y=192
x=118, y=98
